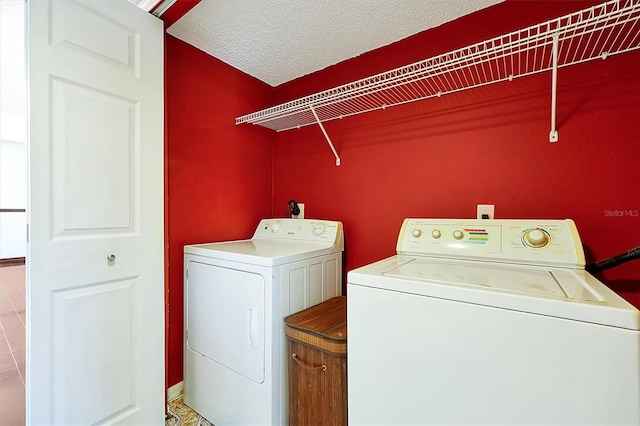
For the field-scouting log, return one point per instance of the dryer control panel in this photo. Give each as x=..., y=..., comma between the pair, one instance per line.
x=301, y=230
x=533, y=242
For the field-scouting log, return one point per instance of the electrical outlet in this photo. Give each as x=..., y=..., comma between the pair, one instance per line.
x=485, y=210
x=301, y=207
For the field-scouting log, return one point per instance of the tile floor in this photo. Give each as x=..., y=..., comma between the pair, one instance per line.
x=181, y=415
x=12, y=344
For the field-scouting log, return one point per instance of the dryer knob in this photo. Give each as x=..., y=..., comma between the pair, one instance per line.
x=318, y=228
x=275, y=227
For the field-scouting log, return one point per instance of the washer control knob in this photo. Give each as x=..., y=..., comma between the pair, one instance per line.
x=275, y=226
x=318, y=228
x=536, y=238
x=416, y=233
x=458, y=235
x=436, y=233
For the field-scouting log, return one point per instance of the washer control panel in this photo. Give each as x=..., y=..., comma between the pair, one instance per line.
x=535, y=242
x=300, y=229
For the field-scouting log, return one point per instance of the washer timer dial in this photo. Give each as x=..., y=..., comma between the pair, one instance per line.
x=536, y=238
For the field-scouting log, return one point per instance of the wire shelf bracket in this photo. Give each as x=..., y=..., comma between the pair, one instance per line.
x=553, y=134
x=597, y=32
x=324, y=132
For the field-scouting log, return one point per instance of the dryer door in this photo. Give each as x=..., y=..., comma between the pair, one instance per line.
x=225, y=317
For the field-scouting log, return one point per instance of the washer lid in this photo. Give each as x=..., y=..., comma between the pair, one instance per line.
x=566, y=293
x=263, y=252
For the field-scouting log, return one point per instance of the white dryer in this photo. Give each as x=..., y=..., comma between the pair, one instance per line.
x=236, y=295
x=489, y=322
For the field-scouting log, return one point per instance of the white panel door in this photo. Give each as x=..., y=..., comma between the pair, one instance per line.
x=95, y=274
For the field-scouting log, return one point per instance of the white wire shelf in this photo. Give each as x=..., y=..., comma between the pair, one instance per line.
x=594, y=33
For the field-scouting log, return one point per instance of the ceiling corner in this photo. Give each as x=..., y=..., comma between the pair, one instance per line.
x=175, y=11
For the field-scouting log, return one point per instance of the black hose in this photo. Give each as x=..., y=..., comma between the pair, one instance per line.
x=610, y=262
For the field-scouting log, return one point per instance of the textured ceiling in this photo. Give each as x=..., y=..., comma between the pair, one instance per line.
x=280, y=40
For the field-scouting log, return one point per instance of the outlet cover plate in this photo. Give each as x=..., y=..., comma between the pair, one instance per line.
x=486, y=209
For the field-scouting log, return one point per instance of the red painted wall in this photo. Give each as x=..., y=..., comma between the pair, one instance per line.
x=218, y=174
x=435, y=158
x=441, y=157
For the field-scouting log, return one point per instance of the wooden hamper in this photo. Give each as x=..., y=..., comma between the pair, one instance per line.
x=317, y=352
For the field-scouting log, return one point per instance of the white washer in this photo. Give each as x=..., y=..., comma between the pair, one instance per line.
x=489, y=322
x=237, y=294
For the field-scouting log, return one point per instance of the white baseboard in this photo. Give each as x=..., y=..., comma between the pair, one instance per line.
x=175, y=391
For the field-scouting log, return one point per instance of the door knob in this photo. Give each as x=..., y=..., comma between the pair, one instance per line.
x=111, y=258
